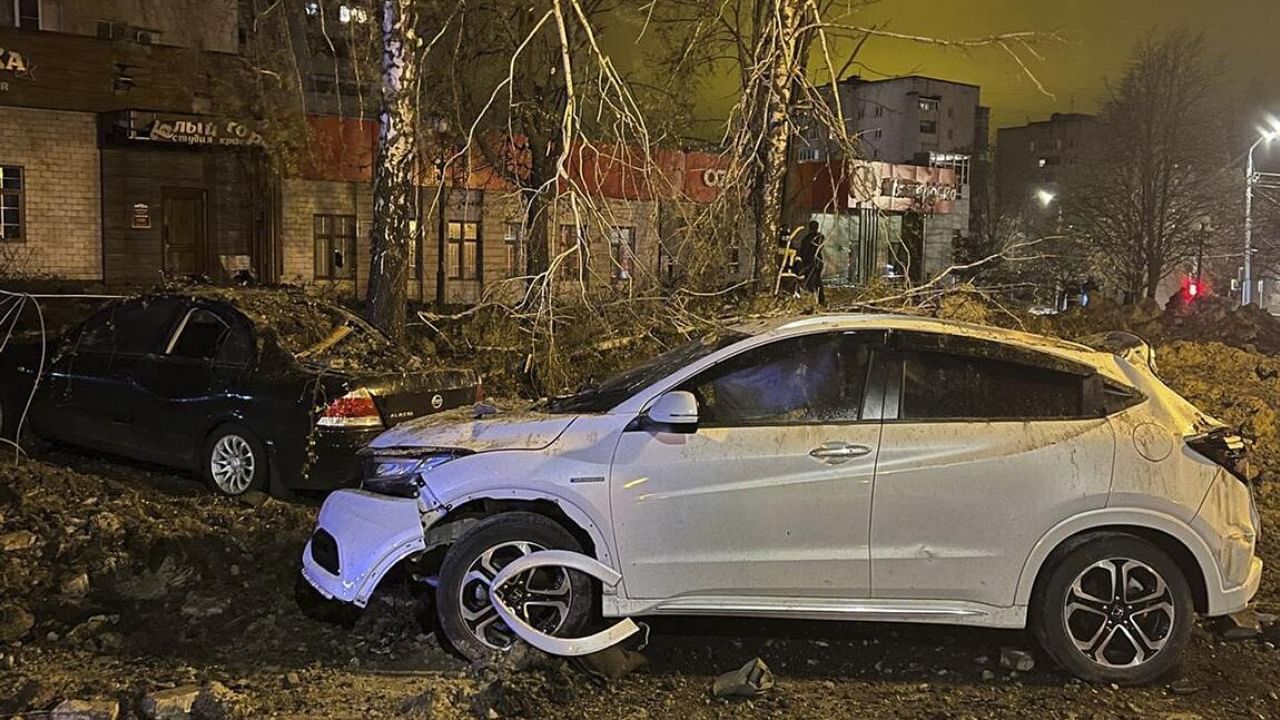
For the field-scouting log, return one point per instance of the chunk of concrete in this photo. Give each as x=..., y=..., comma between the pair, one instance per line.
x=1239, y=625
x=86, y=710
x=172, y=704
x=1016, y=659
x=751, y=680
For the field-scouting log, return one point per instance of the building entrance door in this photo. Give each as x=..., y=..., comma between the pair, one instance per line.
x=186, y=249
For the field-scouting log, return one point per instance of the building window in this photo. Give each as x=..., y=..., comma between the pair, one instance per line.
x=929, y=127
x=879, y=111
x=462, y=252
x=350, y=14
x=572, y=236
x=26, y=14
x=735, y=261
x=12, y=203
x=335, y=247
x=511, y=243
x=622, y=252
x=929, y=104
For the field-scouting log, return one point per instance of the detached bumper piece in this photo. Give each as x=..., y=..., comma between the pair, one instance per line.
x=549, y=643
x=359, y=537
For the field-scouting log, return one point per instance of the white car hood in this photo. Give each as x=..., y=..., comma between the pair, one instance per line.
x=461, y=429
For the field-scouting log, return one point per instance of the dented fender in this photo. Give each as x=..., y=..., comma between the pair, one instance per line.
x=373, y=533
x=549, y=643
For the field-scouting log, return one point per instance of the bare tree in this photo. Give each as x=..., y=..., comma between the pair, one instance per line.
x=1158, y=168
x=394, y=172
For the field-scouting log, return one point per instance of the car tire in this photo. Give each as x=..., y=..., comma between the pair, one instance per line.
x=1115, y=609
x=234, y=461
x=467, y=618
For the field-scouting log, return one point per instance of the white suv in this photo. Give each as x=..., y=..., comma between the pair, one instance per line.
x=862, y=467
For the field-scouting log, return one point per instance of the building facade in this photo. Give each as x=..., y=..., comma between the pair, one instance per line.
x=1034, y=160
x=117, y=164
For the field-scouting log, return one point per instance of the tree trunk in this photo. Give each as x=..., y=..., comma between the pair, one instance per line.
x=777, y=119
x=394, y=173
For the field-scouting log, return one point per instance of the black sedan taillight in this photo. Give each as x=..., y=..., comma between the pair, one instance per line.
x=1225, y=447
x=324, y=550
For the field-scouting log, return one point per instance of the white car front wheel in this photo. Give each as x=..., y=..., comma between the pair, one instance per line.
x=553, y=600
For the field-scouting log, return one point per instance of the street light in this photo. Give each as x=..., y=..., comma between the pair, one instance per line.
x=1045, y=197
x=1250, y=179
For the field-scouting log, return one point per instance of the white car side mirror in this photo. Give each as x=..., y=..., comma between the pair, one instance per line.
x=676, y=411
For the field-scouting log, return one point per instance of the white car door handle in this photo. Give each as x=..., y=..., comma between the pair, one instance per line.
x=834, y=453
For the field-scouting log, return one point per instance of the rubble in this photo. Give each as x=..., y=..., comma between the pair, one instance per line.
x=216, y=701
x=1017, y=660
x=1242, y=625
x=17, y=540
x=171, y=704
x=751, y=680
x=15, y=622
x=86, y=710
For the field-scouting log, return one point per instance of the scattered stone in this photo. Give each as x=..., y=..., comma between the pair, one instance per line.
x=982, y=660
x=198, y=606
x=107, y=524
x=15, y=622
x=17, y=540
x=91, y=628
x=612, y=663
x=217, y=702
x=75, y=585
x=173, y=704
x=1015, y=659
x=828, y=685
x=1239, y=625
x=86, y=710
x=988, y=675
x=751, y=680
x=292, y=680
x=1186, y=687
x=253, y=498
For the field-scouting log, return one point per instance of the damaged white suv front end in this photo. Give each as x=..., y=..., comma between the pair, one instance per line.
x=1018, y=481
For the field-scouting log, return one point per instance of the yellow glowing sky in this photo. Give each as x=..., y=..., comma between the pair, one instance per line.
x=1100, y=35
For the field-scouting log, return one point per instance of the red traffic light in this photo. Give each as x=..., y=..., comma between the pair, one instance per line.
x=1193, y=289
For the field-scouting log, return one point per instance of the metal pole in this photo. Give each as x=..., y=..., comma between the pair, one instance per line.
x=440, y=210
x=1246, y=286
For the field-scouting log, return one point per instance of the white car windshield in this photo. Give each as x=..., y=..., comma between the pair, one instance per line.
x=605, y=395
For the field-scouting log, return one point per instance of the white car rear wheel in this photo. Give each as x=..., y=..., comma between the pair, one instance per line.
x=1116, y=609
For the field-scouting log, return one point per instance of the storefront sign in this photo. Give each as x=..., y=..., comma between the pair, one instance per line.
x=190, y=130
x=140, y=216
x=903, y=188
x=14, y=62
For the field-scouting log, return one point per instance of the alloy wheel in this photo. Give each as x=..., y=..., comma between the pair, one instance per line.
x=232, y=464
x=541, y=596
x=1119, y=613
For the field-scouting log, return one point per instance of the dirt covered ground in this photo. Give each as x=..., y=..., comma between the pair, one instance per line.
x=118, y=580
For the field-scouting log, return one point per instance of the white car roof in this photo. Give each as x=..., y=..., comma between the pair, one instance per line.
x=782, y=326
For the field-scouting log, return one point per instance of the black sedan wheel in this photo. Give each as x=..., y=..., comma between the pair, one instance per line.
x=234, y=461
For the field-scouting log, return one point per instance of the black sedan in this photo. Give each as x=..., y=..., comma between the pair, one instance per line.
x=254, y=389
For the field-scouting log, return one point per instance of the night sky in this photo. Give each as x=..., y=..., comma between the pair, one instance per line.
x=1100, y=36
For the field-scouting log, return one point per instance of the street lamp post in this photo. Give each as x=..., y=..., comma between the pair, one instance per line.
x=1250, y=179
x=441, y=127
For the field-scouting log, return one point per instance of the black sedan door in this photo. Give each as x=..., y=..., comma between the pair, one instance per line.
x=91, y=387
x=187, y=387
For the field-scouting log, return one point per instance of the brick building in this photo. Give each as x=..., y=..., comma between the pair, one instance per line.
x=116, y=164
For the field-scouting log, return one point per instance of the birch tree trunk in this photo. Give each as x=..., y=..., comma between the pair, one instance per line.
x=394, y=172
x=784, y=63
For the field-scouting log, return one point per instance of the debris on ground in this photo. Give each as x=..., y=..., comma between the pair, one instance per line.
x=751, y=680
x=1017, y=659
x=172, y=704
x=1240, y=625
x=612, y=663
x=86, y=710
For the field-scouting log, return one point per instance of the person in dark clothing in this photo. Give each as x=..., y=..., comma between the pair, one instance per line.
x=810, y=260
